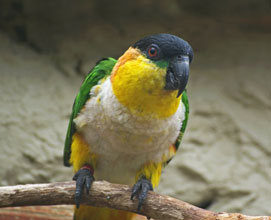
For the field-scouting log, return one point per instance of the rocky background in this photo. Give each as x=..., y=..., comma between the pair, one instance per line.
x=47, y=47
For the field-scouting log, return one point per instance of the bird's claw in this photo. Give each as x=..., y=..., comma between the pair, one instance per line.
x=84, y=179
x=141, y=188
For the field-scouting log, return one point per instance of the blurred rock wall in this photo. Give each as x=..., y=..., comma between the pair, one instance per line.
x=47, y=47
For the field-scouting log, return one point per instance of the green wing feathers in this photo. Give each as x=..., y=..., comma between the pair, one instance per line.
x=184, y=124
x=102, y=69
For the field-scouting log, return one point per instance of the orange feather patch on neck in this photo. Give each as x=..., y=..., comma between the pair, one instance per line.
x=130, y=54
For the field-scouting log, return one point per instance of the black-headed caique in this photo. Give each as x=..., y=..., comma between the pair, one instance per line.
x=128, y=120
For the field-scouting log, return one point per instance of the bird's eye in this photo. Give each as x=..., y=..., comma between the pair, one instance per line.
x=153, y=51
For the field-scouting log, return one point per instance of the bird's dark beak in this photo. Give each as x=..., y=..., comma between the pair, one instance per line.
x=177, y=74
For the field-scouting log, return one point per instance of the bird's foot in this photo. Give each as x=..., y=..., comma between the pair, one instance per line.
x=141, y=188
x=84, y=179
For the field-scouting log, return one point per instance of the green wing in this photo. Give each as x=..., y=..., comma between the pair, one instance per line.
x=102, y=69
x=184, y=123
x=186, y=105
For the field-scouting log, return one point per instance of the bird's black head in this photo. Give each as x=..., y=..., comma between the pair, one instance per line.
x=171, y=52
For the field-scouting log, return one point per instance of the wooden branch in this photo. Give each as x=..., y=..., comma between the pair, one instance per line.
x=104, y=194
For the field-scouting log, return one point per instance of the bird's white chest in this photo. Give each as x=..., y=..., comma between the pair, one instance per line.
x=124, y=142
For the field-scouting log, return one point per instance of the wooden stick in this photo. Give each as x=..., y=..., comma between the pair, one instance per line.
x=104, y=194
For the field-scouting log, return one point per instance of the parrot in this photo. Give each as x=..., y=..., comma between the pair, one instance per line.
x=128, y=120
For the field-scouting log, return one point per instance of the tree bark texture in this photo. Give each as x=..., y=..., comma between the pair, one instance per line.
x=104, y=194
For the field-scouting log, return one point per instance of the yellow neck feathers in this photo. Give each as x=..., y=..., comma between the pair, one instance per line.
x=139, y=85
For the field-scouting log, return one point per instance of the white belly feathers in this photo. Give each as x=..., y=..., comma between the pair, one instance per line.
x=124, y=142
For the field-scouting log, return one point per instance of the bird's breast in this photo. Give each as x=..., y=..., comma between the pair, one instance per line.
x=124, y=142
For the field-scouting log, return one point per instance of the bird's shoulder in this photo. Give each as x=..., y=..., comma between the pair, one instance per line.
x=100, y=71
